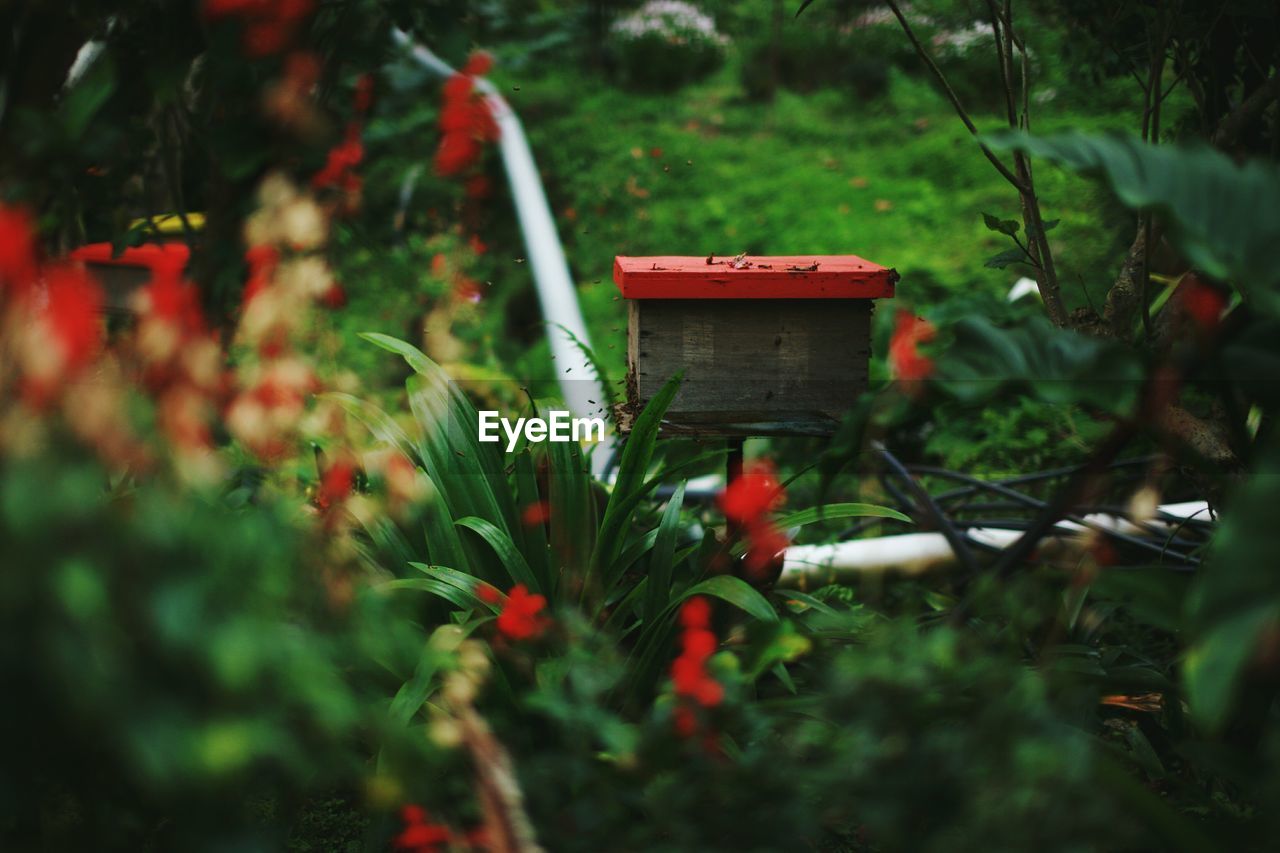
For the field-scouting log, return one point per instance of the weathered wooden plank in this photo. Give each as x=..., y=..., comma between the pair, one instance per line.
x=751, y=367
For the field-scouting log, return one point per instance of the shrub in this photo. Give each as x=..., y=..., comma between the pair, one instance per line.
x=665, y=44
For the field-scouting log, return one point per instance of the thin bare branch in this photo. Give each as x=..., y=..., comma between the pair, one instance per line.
x=953, y=97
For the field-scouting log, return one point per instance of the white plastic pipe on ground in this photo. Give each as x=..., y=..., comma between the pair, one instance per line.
x=579, y=384
x=811, y=566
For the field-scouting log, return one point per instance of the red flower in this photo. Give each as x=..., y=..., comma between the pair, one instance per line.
x=18, y=263
x=334, y=298
x=695, y=613
x=456, y=153
x=466, y=122
x=487, y=593
x=1203, y=302
x=336, y=485
x=269, y=25
x=693, y=685
x=536, y=513
x=521, y=617
x=468, y=290
x=764, y=543
x=74, y=309
x=478, y=64
x=905, y=360
x=71, y=326
x=752, y=495
x=173, y=300
x=457, y=88
x=420, y=834
x=477, y=245
x=338, y=171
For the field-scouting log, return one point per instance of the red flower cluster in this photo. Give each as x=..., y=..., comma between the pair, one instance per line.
x=521, y=617
x=61, y=332
x=70, y=324
x=265, y=415
x=262, y=261
x=336, y=485
x=905, y=360
x=748, y=503
x=694, y=686
x=465, y=120
x=339, y=169
x=1202, y=302
x=269, y=25
x=18, y=260
x=182, y=361
x=423, y=835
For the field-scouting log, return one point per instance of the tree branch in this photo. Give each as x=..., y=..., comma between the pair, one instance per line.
x=953, y=97
x=1230, y=128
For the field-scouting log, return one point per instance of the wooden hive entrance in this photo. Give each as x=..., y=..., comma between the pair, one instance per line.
x=768, y=345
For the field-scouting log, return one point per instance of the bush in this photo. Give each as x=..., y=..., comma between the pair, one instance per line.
x=857, y=53
x=666, y=44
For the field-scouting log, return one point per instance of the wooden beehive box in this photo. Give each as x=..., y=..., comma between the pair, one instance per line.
x=768, y=345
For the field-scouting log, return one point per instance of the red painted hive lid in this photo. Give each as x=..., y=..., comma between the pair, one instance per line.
x=753, y=277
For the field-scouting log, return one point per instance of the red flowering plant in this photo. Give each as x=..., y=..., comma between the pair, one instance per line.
x=748, y=503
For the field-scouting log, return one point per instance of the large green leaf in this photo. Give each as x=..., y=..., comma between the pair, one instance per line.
x=500, y=541
x=1052, y=365
x=572, y=508
x=413, y=694
x=832, y=512
x=632, y=469
x=661, y=561
x=381, y=424
x=1235, y=600
x=1223, y=216
x=735, y=591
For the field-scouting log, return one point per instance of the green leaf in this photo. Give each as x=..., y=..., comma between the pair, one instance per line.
x=661, y=561
x=514, y=562
x=411, y=354
x=1235, y=600
x=631, y=478
x=413, y=694
x=91, y=92
x=833, y=512
x=571, y=502
x=1002, y=226
x=1007, y=258
x=733, y=591
x=1053, y=365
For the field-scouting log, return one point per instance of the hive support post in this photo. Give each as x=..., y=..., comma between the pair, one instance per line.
x=734, y=455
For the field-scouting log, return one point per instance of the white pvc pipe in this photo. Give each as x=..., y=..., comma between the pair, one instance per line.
x=809, y=566
x=579, y=384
